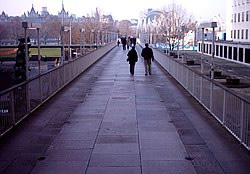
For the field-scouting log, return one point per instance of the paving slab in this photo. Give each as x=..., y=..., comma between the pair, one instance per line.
x=169, y=167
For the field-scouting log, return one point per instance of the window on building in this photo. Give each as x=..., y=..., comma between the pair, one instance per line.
x=247, y=55
x=221, y=50
x=242, y=34
x=210, y=48
x=235, y=53
x=246, y=33
x=235, y=18
x=241, y=54
x=225, y=51
x=230, y=53
x=243, y=16
x=238, y=34
x=238, y=17
x=231, y=34
x=232, y=19
x=234, y=34
x=217, y=50
x=247, y=15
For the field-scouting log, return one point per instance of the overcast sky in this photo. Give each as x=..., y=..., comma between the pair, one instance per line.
x=119, y=9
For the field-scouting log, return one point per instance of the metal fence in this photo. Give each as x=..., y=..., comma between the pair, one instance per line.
x=19, y=101
x=231, y=110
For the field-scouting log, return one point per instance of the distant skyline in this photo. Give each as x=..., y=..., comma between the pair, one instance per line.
x=202, y=10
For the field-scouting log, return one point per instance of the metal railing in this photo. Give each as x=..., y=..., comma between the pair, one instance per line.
x=19, y=101
x=231, y=110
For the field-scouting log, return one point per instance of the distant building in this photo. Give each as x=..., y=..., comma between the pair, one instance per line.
x=4, y=17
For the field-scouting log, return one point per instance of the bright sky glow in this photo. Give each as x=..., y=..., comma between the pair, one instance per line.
x=119, y=9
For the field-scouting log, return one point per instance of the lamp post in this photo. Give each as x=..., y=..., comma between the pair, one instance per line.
x=67, y=29
x=82, y=30
x=92, y=36
x=178, y=43
x=31, y=26
x=203, y=26
x=183, y=36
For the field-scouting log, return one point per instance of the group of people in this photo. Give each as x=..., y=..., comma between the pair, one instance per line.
x=147, y=54
x=126, y=43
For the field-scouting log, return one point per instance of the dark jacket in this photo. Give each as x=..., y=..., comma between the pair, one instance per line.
x=147, y=53
x=132, y=56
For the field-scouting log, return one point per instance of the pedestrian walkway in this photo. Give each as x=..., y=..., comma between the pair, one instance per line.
x=109, y=122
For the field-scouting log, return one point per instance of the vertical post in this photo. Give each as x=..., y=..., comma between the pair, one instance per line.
x=212, y=66
x=70, y=39
x=27, y=70
x=183, y=37
x=69, y=55
x=63, y=52
x=81, y=40
x=26, y=55
x=224, y=107
x=12, y=106
x=39, y=64
x=178, y=45
x=202, y=50
x=39, y=54
x=242, y=121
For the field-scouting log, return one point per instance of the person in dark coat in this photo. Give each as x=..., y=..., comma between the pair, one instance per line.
x=132, y=59
x=147, y=54
x=124, y=42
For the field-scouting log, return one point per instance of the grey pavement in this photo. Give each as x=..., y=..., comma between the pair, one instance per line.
x=109, y=122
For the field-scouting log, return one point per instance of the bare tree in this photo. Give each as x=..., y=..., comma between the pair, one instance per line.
x=124, y=28
x=171, y=20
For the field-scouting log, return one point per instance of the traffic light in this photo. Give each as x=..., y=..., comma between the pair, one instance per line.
x=20, y=66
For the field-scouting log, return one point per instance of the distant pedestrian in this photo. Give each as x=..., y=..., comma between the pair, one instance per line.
x=128, y=43
x=147, y=54
x=124, y=42
x=132, y=59
x=118, y=43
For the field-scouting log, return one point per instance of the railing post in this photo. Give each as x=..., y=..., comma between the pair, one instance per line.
x=50, y=86
x=211, y=96
x=201, y=89
x=224, y=107
x=12, y=106
x=242, y=121
x=28, y=97
x=40, y=88
x=193, y=83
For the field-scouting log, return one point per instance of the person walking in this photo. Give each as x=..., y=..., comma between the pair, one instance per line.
x=132, y=59
x=147, y=54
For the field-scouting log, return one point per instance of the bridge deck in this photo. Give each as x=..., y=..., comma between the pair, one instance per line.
x=107, y=121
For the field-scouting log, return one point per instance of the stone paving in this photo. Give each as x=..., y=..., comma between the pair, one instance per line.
x=109, y=122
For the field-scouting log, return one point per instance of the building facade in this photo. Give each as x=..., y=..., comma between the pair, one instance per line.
x=238, y=20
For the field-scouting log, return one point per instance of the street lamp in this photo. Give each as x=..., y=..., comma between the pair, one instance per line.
x=31, y=26
x=203, y=26
x=92, y=36
x=98, y=38
x=63, y=29
x=82, y=30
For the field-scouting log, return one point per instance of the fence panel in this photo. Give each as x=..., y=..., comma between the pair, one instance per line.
x=34, y=91
x=233, y=114
x=18, y=102
x=6, y=111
